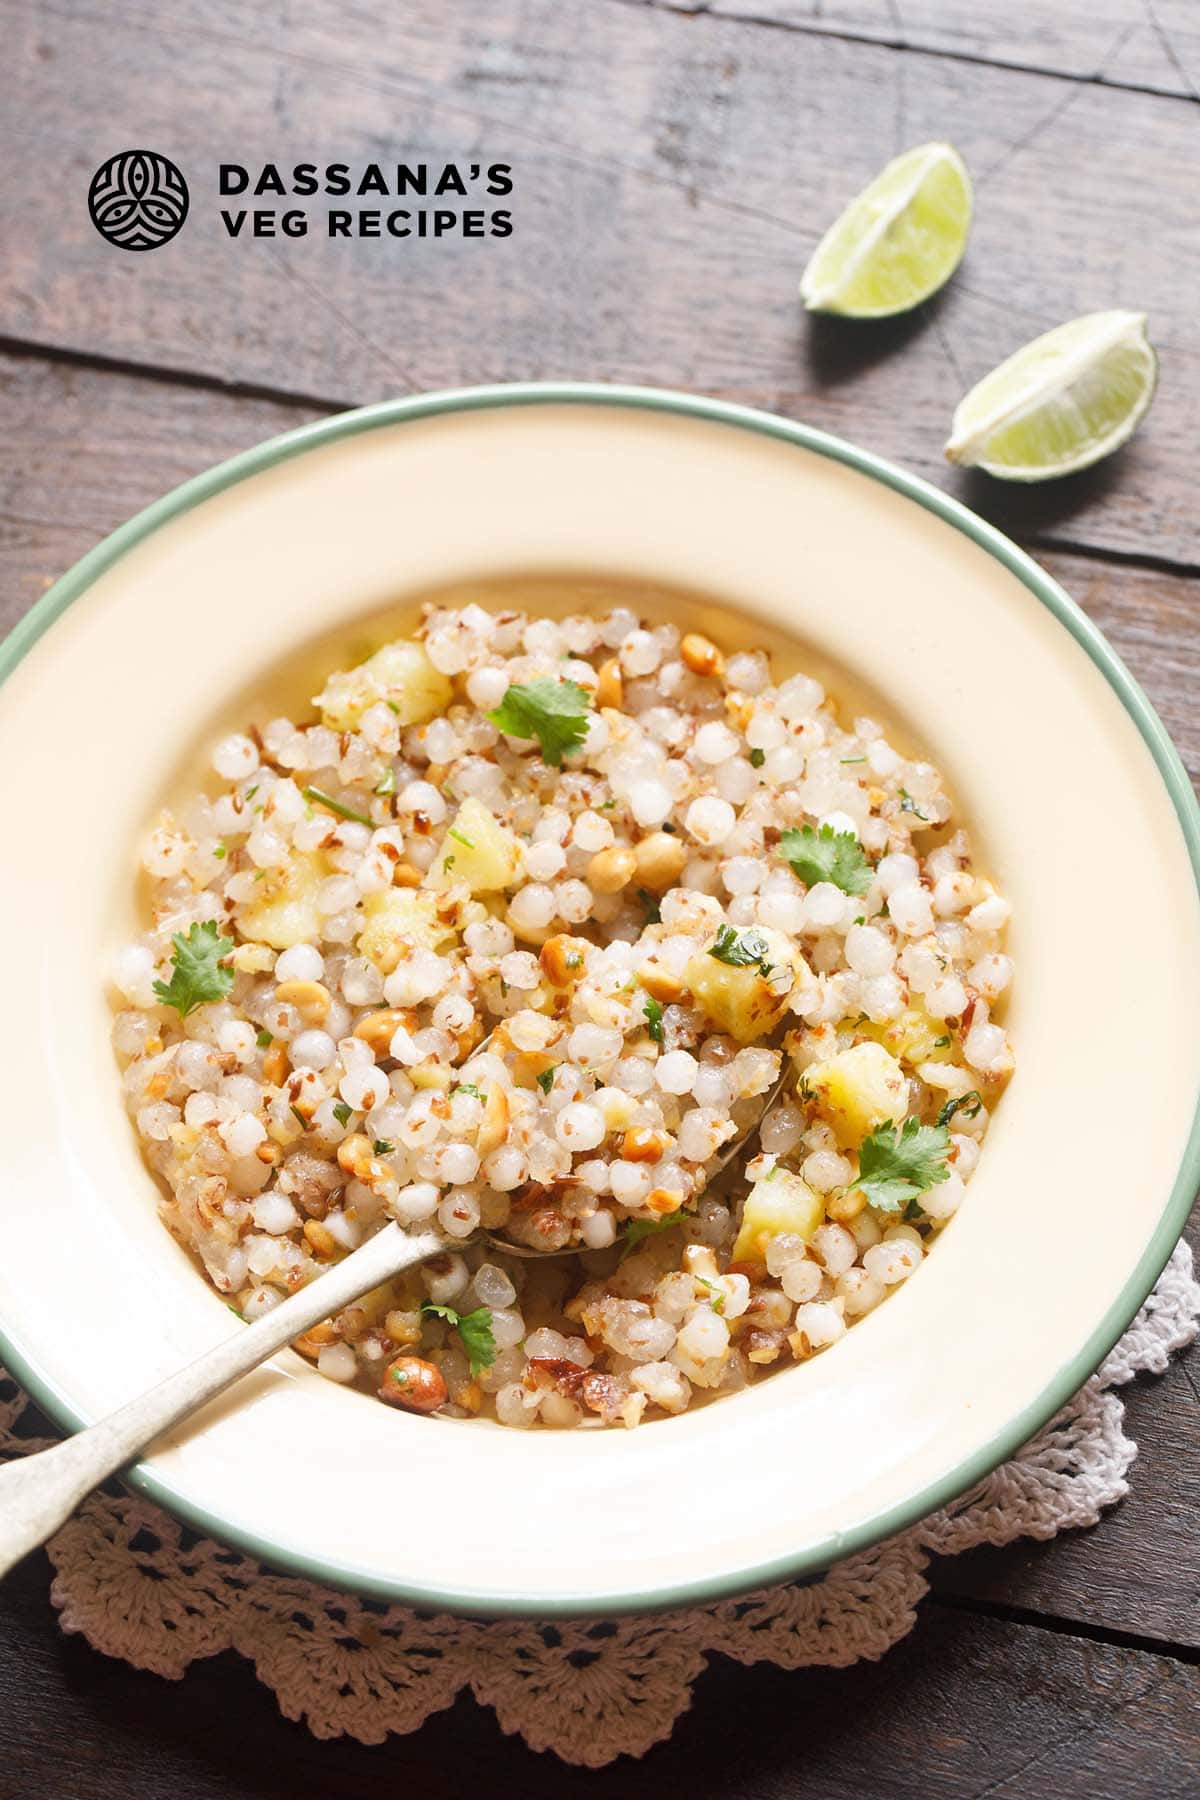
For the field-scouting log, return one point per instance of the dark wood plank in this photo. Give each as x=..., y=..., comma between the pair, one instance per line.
x=965, y=1708
x=84, y=448
x=672, y=174
x=1126, y=42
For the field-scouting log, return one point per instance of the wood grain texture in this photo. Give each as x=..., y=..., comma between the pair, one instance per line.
x=967, y=1708
x=83, y=449
x=1131, y=43
x=672, y=174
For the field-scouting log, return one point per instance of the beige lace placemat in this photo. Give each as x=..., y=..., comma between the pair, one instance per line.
x=140, y=1588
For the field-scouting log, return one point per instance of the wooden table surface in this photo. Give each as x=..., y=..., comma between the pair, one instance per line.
x=673, y=167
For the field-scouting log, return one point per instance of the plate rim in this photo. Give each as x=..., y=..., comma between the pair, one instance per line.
x=816, y=1558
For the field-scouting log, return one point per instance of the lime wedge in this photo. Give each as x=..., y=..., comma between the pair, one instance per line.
x=1060, y=403
x=897, y=242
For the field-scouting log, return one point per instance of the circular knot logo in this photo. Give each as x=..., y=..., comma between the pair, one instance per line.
x=138, y=200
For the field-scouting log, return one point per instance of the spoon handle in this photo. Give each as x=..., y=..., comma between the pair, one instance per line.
x=39, y=1493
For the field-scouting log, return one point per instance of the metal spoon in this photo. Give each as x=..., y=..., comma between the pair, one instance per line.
x=39, y=1493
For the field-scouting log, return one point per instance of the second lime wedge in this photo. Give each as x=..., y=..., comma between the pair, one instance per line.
x=897, y=242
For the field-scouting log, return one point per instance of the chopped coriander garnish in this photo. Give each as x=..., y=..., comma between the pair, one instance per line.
x=899, y=1165
x=473, y=1328
x=387, y=782
x=197, y=972
x=250, y=792
x=861, y=919
x=851, y=759
x=941, y=1043
x=381, y=1147
x=466, y=1087
x=221, y=852
x=742, y=950
x=909, y=805
x=718, y=1305
x=757, y=758
x=654, y=1018
x=653, y=914
x=299, y=1116
x=637, y=1229
x=963, y=1104
x=827, y=855
x=546, y=1079
x=319, y=797
x=607, y=805
x=264, y=1040
x=553, y=712
x=399, y=1376
x=449, y=861
x=395, y=708
x=343, y=1113
x=460, y=837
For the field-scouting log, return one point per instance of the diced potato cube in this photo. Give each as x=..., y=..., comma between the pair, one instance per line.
x=858, y=1089
x=779, y=1203
x=914, y=1037
x=398, y=917
x=742, y=1001
x=283, y=908
x=400, y=673
x=477, y=850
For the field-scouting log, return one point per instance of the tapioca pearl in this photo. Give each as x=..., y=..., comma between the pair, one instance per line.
x=574, y=901
x=714, y=743
x=458, y=1213
x=868, y=951
x=303, y=962
x=580, y=1126
x=459, y=1164
x=650, y=802
x=741, y=875
x=986, y=1048
x=786, y=1248
x=801, y=1279
x=710, y=820
x=337, y=1362
x=335, y=894
x=712, y=1087
x=910, y=909
x=764, y=731
x=892, y=1261
x=835, y=1247
x=820, y=1322
x=991, y=975
x=824, y=907
x=544, y=861
x=486, y=688
x=782, y=909
x=505, y=1168
x=858, y=1291
x=704, y=1336
x=364, y=1087
x=453, y=1014
x=423, y=798
x=133, y=974
x=631, y=1182
x=532, y=908
x=235, y=757
x=946, y=999
x=591, y=832
x=593, y=1045
x=825, y=1170
x=701, y=1134
x=882, y=998
x=991, y=914
x=943, y=1201
x=784, y=764
x=737, y=780
x=675, y=1073
x=640, y=653
x=896, y=871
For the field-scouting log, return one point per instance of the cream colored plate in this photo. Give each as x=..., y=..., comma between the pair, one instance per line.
x=1079, y=806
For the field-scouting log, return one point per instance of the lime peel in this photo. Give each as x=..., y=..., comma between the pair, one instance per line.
x=1061, y=402
x=897, y=241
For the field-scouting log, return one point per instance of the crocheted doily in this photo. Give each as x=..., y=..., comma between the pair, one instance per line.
x=141, y=1588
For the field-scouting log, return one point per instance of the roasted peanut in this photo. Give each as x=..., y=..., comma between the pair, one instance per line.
x=563, y=959
x=701, y=655
x=321, y=1240
x=661, y=1201
x=275, y=1065
x=610, y=686
x=660, y=984
x=846, y=1205
x=354, y=1155
x=313, y=1341
x=611, y=870
x=494, y=1127
x=659, y=861
x=310, y=998
x=643, y=1145
x=416, y=1385
x=379, y=1028
x=404, y=875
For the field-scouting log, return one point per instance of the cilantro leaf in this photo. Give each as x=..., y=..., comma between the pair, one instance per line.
x=554, y=712
x=757, y=758
x=971, y=1103
x=466, y=1087
x=742, y=950
x=827, y=855
x=318, y=797
x=654, y=1018
x=899, y=1165
x=343, y=1113
x=474, y=1330
x=546, y=1079
x=196, y=972
x=637, y=1229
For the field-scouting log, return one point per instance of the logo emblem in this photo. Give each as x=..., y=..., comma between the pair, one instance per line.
x=138, y=200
